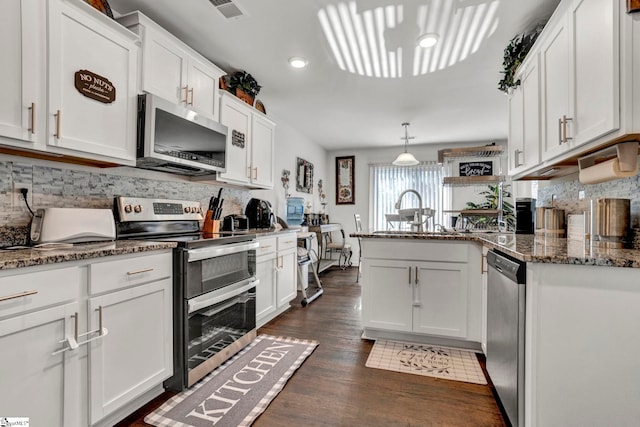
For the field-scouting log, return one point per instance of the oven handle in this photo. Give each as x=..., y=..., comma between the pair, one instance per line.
x=216, y=251
x=207, y=300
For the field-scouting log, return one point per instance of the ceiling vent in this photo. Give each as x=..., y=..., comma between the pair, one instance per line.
x=228, y=8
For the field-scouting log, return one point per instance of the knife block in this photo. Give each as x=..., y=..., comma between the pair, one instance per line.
x=211, y=226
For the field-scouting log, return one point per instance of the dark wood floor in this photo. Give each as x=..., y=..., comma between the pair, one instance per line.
x=334, y=388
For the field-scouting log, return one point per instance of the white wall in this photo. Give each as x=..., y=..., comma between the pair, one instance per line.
x=291, y=144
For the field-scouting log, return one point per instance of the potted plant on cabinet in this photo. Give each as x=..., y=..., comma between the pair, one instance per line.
x=515, y=52
x=244, y=86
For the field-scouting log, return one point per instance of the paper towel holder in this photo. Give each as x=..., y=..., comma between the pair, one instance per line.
x=625, y=152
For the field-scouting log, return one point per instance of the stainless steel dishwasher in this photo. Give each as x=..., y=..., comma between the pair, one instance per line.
x=505, y=332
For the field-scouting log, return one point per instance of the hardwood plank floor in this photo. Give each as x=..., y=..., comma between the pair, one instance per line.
x=334, y=388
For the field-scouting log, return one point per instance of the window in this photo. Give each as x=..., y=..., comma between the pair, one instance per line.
x=388, y=182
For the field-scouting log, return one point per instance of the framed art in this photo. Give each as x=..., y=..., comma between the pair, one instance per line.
x=304, y=177
x=633, y=6
x=345, y=182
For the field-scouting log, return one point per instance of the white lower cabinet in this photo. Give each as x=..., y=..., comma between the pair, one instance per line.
x=441, y=297
x=77, y=358
x=276, y=263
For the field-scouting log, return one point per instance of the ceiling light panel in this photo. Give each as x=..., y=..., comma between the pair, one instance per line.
x=359, y=36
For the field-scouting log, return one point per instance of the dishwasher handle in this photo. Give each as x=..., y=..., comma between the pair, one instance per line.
x=512, y=268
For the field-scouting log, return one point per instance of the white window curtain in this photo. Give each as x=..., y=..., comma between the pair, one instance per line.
x=388, y=182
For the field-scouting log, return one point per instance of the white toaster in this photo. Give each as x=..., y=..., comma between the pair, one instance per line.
x=72, y=225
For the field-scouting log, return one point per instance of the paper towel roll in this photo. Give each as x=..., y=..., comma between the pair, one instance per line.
x=605, y=171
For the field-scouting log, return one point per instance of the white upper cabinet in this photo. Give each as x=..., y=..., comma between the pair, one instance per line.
x=250, y=144
x=22, y=80
x=581, y=76
x=174, y=71
x=88, y=46
x=524, y=119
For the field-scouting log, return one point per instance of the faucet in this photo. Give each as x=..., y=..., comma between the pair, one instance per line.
x=416, y=225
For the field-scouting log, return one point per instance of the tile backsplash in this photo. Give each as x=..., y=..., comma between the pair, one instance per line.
x=93, y=188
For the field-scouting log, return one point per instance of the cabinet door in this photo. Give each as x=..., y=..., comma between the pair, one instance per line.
x=263, y=145
x=238, y=119
x=596, y=71
x=203, y=87
x=531, y=115
x=82, y=40
x=516, y=131
x=164, y=67
x=556, y=89
x=387, y=294
x=137, y=352
x=440, y=299
x=266, y=290
x=22, y=79
x=286, y=285
x=47, y=388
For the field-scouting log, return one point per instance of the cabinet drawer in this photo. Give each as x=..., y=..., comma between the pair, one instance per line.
x=288, y=241
x=420, y=250
x=30, y=291
x=123, y=273
x=267, y=245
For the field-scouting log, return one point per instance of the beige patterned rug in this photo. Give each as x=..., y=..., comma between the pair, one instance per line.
x=428, y=360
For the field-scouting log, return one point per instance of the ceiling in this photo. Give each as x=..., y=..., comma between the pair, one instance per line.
x=447, y=92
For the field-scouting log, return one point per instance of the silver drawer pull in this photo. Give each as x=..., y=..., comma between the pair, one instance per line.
x=146, y=270
x=265, y=246
x=18, y=295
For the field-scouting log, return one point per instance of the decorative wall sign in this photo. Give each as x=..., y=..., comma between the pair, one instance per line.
x=476, y=168
x=95, y=86
x=304, y=178
x=633, y=6
x=237, y=138
x=345, y=183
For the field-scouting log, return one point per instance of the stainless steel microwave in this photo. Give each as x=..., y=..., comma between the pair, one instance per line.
x=174, y=139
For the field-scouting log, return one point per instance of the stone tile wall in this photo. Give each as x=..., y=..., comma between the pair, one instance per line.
x=84, y=187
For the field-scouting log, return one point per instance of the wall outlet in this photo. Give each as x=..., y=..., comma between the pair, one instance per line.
x=17, y=200
x=580, y=194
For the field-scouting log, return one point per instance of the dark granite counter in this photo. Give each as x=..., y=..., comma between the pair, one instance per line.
x=530, y=248
x=29, y=257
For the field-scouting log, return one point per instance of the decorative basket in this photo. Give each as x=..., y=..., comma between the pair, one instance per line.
x=244, y=96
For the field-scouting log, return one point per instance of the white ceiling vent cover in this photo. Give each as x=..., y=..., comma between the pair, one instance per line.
x=228, y=8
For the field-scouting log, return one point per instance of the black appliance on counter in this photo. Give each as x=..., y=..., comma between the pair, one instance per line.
x=260, y=214
x=235, y=223
x=525, y=216
x=214, y=283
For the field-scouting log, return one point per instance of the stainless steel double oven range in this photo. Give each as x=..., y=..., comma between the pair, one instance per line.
x=215, y=282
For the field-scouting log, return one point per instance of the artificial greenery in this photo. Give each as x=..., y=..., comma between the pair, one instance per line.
x=245, y=81
x=514, y=54
x=492, y=198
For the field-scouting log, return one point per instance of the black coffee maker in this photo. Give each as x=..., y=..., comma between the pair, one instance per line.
x=525, y=216
x=260, y=214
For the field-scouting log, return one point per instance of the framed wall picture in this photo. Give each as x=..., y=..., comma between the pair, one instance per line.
x=345, y=182
x=633, y=6
x=304, y=176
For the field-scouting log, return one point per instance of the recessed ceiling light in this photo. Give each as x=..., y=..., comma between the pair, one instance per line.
x=298, y=62
x=428, y=40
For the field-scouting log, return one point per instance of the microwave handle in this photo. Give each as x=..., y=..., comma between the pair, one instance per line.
x=216, y=251
x=207, y=300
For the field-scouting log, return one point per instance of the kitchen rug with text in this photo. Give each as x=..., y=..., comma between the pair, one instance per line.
x=428, y=360
x=238, y=391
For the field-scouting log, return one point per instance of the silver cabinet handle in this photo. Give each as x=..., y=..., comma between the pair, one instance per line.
x=57, y=115
x=18, y=295
x=186, y=94
x=565, y=119
x=32, y=110
x=146, y=270
x=516, y=156
x=191, y=92
x=417, y=278
x=101, y=331
x=409, y=274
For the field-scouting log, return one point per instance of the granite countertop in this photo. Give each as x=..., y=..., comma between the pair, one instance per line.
x=531, y=248
x=29, y=257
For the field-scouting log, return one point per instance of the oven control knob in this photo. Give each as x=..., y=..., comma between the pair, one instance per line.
x=137, y=208
x=199, y=210
x=187, y=209
x=128, y=208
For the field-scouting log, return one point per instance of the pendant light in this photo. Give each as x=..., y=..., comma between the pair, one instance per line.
x=406, y=158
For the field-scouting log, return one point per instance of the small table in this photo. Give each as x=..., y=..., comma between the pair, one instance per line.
x=322, y=231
